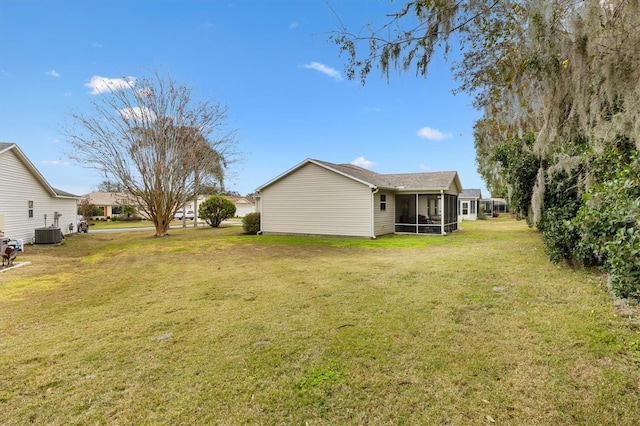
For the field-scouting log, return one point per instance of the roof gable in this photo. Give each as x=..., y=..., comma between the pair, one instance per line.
x=6, y=147
x=237, y=200
x=329, y=166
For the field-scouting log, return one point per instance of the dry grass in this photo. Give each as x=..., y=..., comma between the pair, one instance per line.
x=209, y=326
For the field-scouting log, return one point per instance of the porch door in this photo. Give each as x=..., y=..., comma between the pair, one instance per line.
x=465, y=208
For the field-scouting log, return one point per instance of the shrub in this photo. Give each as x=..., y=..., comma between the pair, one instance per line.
x=216, y=209
x=561, y=201
x=609, y=225
x=251, y=223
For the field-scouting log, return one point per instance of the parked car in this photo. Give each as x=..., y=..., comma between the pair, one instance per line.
x=82, y=224
x=190, y=215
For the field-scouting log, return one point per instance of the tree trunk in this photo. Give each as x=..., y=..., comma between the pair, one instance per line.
x=162, y=227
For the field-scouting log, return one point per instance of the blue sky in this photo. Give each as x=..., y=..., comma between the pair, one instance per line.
x=271, y=62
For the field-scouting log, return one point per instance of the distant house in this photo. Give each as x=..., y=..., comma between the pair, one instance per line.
x=111, y=203
x=320, y=198
x=469, y=200
x=27, y=201
x=244, y=205
x=494, y=206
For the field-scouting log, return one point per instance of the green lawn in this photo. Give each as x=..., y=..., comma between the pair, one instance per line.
x=210, y=326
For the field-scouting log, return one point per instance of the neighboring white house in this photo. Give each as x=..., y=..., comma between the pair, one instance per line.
x=469, y=200
x=320, y=198
x=27, y=201
x=244, y=205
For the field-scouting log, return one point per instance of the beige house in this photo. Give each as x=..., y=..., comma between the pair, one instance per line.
x=320, y=198
x=27, y=201
x=111, y=203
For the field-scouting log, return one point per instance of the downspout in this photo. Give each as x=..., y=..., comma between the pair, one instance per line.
x=442, y=212
x=373, y=212
x=259, y=200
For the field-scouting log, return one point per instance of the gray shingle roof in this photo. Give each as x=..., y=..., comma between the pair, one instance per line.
x=64, y=193
x=470, y=193
x=5, y=145
x=407, y=181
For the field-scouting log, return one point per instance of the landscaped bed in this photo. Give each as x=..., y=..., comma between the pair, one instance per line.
x=209, y=326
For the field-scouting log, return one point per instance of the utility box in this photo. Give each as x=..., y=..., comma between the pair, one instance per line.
x=48, y=236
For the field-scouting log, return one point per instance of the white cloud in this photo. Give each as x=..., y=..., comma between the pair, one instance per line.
x=328, y=71
x=100, y=84
x=56, y=141
x=56, y=163
x=53, y=73
x=294, y=25
x=137, y=113
x=96, y=45
x=363, y=162
x=67, y=94
x=424, y=168
x=433, y=134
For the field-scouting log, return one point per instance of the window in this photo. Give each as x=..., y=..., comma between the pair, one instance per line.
x=473, y=206
x=30, y=208
x=383, y=202
x=116, y=210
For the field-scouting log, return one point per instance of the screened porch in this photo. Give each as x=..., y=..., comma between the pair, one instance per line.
x=426, y=213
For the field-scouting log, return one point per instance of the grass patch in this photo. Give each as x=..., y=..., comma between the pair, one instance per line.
x=210, y=326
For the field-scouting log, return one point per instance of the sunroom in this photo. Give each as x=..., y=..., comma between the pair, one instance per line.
x=426, y=213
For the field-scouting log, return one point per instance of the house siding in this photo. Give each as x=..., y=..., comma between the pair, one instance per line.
x=473, y=207
x=384, y=219
x=18, y=186
x=244, y=209
x=316, y=201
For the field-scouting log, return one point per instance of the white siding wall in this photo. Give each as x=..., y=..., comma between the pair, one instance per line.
x=313, y=200
x=244, y=209
x=384, y=220
x=17, y=187
x=469, y=215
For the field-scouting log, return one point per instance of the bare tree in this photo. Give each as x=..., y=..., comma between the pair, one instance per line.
x=155, y=140
x=108, y=186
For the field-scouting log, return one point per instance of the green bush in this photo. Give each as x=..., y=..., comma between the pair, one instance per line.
x=216, y=209
x=251, y=223
x=561, y=201
x=609, y=225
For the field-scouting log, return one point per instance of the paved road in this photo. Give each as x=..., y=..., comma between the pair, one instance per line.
x=150, y=228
